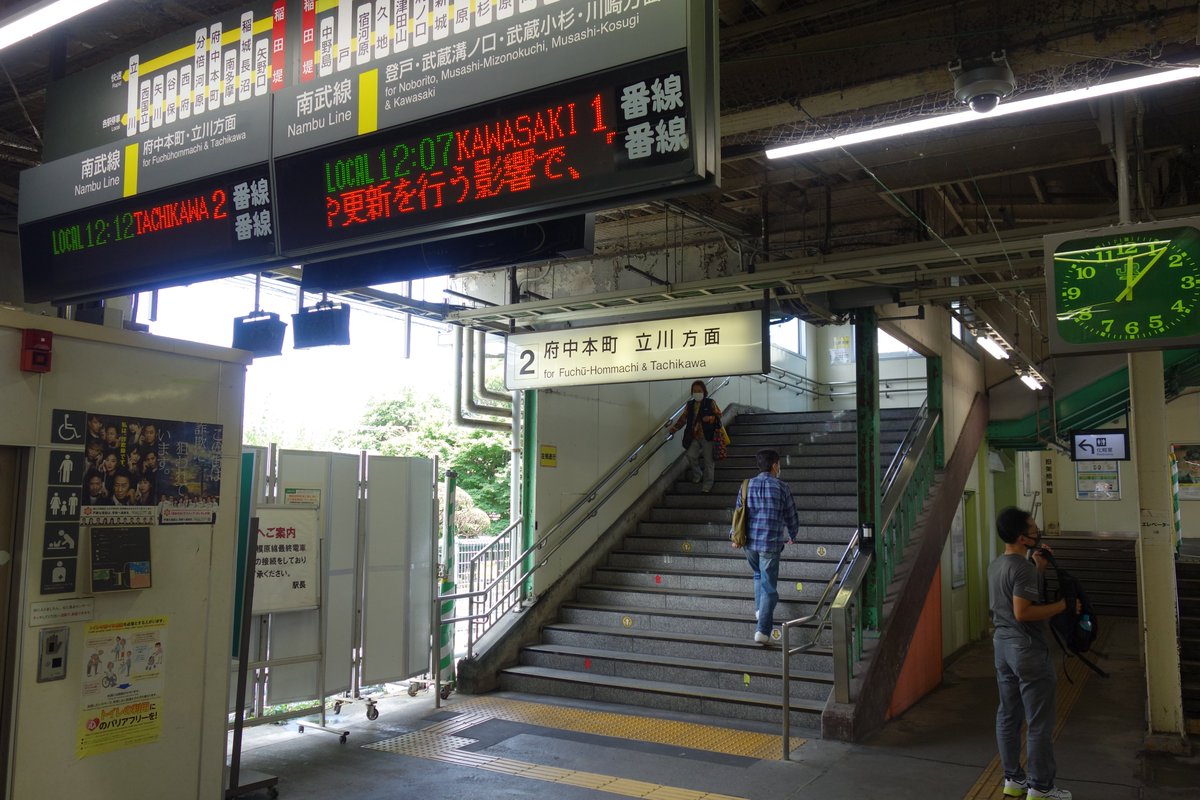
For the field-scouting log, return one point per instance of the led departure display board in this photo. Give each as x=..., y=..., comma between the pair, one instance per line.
x=551, y=151
x=204, y=228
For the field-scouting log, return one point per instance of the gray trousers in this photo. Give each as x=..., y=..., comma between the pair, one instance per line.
x=1025, y=677
x=700, y=457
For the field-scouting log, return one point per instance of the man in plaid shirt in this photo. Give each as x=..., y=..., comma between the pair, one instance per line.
x=771, y=515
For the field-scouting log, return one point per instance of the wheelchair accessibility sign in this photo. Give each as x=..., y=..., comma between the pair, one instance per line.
x=66, y=427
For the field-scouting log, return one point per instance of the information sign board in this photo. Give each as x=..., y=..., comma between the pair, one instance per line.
x=205, y=228
x=363, y=67
x=735, y=343
x=559, y=149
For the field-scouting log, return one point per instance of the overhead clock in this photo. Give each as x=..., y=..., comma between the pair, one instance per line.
x=1129, y=288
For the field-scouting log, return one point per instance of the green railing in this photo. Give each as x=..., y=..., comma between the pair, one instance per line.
x=904, y=486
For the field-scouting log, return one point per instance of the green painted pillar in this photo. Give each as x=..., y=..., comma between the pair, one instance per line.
x=866, y=358
x=529, y=464
x=446, y=629
x=933, y=394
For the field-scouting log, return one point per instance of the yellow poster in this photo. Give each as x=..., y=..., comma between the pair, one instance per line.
x=121, y=691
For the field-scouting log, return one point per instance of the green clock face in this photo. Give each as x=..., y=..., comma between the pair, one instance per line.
x=1134, y=288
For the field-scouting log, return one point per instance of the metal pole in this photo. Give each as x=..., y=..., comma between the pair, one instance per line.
x=446, y=631
x=866, y=347
x=434, y=608
x=529, y=462
x=787, y=695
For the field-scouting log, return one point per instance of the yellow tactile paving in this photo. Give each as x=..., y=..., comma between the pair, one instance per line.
x=628, y=726
x=438, y=742
x=990, y=785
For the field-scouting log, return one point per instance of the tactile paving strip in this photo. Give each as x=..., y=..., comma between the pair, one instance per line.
x=438, y=742
x=990, y=785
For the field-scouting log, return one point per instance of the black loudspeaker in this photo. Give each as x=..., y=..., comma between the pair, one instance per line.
x=261, y=333
x=325, y=323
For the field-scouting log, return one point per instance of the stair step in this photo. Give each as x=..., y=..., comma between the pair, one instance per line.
x=734, y=603
x=689, y=530
x=729, y=562
x=723, y=675
x=805, y=712
x=737, y=650
x=823, y=550
x=725, y=500
x=736, y=626
x=810, y=588
x=723, y=516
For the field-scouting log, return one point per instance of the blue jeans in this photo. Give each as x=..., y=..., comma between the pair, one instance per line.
x=1025, y=677
x=765, y=567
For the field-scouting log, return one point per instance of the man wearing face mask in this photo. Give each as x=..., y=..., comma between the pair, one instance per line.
x=1024, y=670
x=701, y=423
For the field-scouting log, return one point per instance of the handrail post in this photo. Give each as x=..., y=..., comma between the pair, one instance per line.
x=841, y=653
x=787, y=694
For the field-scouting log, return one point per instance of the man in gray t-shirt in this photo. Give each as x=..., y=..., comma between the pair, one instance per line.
x=1024, y=672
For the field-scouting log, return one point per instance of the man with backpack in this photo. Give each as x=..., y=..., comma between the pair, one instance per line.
x=1024, y=670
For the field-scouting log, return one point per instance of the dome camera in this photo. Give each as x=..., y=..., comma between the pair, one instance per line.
x=983, y=86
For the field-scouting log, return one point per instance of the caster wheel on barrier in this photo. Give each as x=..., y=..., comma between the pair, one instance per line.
x=300, y=728
x=272, y=793
x=342, y=739
x=337, y=708
x=412, y=690
x=446, y=691
x=372, y=712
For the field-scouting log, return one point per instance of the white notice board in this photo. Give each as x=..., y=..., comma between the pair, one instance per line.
x=286, y=560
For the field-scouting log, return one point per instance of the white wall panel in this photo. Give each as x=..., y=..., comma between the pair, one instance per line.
x=132, y=374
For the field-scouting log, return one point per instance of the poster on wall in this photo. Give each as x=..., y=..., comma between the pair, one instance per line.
x=1187, y=457
x=839, y=350
x=1097, y=480
x=285, y=559
x=122, y=687
x=143, y=471
x=120, y=559
x=958, y=549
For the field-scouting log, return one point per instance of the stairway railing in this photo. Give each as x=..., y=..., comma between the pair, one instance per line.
x=491, y=594
x=904, y=486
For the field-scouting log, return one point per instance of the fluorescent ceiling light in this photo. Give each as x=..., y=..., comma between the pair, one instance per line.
x=38, y=18
x=1003, y=110
x=1031, y=382
x=993, y=349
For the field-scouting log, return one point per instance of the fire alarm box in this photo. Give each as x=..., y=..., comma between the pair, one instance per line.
x=36, y=346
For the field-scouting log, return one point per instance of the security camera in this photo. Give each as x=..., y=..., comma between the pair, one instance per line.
x=983, y=86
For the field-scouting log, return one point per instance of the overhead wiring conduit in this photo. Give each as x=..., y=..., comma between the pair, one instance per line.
x=481, y=390
x=470, y=406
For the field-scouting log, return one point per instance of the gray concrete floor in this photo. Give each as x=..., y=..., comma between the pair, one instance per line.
x=938, y=749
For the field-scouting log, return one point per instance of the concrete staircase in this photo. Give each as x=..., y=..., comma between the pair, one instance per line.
x=1105, y=565
x=668, y=622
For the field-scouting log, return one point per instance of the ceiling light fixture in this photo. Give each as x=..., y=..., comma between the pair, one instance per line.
x=1031, y=382
x=1156, y=78
x=41, y=16
x=993, y=349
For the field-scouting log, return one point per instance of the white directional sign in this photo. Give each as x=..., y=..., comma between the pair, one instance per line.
x=1103, y=445
x=655, y=350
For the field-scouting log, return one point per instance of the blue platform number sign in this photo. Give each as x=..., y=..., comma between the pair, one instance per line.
x=66, y=426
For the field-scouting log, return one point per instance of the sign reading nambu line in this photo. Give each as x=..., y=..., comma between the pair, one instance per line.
x=735, y=343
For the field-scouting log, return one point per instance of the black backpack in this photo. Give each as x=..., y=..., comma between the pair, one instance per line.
x=1075, y=633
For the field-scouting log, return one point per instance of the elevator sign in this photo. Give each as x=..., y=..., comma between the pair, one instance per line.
x=736, y=343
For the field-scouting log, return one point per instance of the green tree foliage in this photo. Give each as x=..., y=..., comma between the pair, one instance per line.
x=421, y=425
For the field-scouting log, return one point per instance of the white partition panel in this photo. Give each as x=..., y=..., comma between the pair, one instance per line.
x=399, y=559
x=331, y=480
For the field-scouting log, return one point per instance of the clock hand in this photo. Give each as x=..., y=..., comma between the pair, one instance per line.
x=1127, y=293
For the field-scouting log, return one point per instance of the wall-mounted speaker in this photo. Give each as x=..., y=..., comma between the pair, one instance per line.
x=323, y=324
x=261, y=333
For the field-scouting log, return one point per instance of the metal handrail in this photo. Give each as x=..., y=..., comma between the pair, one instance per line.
x=475, y=595
x=852, y=568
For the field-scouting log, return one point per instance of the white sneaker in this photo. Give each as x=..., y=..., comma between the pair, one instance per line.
x=1016, y=788
x=763, y=638
x=1053, y=793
